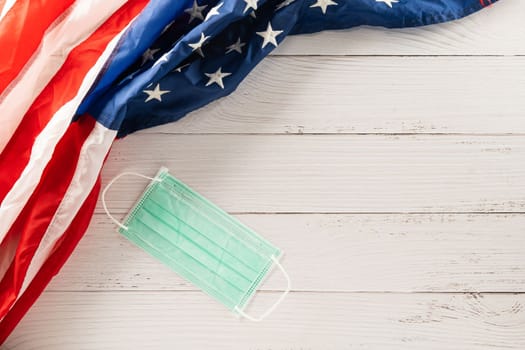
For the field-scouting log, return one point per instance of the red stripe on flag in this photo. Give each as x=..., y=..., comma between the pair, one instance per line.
x=53, y=264
x=37, y=214
x=21, y=31
x=61, y=88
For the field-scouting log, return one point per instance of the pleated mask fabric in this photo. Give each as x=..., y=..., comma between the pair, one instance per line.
x=201, y=242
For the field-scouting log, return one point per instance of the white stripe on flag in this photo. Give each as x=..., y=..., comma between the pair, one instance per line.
x=80, y=21
x=7, y=6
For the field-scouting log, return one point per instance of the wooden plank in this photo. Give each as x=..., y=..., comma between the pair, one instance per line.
x=394, y=253
x=191, y=320
x=499, y=30
x=327, y=173
x=370, y=95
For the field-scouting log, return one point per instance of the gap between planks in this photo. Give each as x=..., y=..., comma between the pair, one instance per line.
x=159, y=131
x=273, y=291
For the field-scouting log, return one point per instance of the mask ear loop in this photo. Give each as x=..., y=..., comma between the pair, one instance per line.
x=274, y=306
x=110, y=184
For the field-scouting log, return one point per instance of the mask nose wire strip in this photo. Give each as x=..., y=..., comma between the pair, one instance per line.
x=110, y=184
x=274, y=306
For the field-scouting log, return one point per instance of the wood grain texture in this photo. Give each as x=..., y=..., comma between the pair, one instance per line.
x=191, y=320
x=494, y=31
x=298, y=95
x=346, y=253
x=327, y=173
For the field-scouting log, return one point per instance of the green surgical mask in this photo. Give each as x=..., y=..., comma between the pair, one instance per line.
x=201, y=242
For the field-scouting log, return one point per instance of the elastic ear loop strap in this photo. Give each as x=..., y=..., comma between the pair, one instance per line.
x=274, y=306
x=110, y=184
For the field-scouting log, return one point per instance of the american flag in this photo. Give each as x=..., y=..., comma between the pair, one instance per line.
x=76, y=75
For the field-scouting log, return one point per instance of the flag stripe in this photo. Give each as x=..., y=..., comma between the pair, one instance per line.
x=43, y=203
x=69, y=205
x=21, y=30
x=82, y=19
x=52, y=266
x=26, y=161
x=91, y=158
x=62, y=88
x=105, y=137
x=40, y=215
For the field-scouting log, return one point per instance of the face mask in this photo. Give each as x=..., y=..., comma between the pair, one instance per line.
x=201, y=242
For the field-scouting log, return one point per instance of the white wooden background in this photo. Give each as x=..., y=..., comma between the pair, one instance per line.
x=390, y=167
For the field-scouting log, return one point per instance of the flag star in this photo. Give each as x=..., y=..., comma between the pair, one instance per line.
x=237, y=46
x=217, y=77
x=195, y=11
x=199, y=51
x=179, y=69
x=148, y=55
x=388, y=2
x=155, y=94
x=323, y=4
x=250, y=4
x=269, y=36
x=213, y=12
x=284, y=4
x=198, y=45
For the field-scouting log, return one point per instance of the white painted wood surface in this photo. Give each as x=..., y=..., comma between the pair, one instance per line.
x=336, y=252
x=331, y=173
x=395, y=184
x=330, y=320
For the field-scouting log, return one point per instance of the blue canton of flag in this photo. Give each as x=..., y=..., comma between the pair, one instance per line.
x=201, y=50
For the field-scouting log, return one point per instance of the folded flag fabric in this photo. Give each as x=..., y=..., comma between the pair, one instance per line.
x=80, y=74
